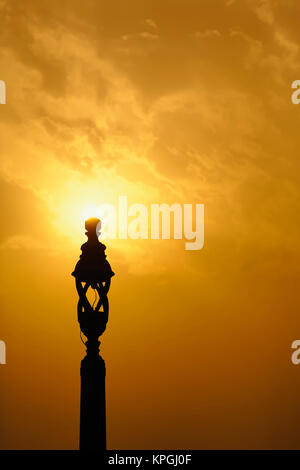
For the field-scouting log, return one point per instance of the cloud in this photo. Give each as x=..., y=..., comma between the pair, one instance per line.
x=142, y=34
x=22, y=242
x=89, y=126
x=151, y=23
x=208, y=33
x=264, y=11
x=147, y=35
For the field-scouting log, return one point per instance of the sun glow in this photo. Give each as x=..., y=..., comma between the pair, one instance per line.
x=71, y=205
x=91, y=210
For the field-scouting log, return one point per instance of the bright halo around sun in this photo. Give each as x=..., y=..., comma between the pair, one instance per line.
x=89, y=211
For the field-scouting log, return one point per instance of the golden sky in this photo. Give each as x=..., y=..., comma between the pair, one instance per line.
x=185, y=101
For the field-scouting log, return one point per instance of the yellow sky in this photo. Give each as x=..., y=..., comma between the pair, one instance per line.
x=162, y=101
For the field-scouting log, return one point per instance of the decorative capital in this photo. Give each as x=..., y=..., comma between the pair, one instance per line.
x=93, y=271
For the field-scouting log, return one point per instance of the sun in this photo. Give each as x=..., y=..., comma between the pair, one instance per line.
x=90, y=210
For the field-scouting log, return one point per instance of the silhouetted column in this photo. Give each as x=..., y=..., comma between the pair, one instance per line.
x=92, y=271
x=92, y=402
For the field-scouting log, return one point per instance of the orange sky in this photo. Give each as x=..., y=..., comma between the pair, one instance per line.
x=162, y=101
